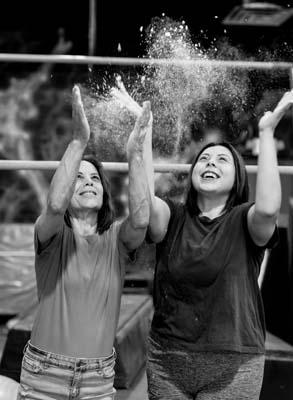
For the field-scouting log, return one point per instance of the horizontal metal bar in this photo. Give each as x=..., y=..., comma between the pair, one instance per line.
x=98, y=60
x=117, y=166
x=17, y=253
x=108, y=166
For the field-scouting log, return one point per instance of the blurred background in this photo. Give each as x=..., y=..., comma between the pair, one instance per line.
x=192, y=104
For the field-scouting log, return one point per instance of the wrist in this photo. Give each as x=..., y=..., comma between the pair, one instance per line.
x=79, y=143
x=266, y=132
x=135, y=156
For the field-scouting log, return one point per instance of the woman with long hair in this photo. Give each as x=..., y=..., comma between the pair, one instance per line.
x=80, y=254
x=207, y=339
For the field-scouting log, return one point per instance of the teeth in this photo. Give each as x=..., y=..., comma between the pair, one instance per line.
x=88, y=191
x=210, y=175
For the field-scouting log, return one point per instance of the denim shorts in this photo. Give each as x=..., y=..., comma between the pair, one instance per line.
x=48, y=376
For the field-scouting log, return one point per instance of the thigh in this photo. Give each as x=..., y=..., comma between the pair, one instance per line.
x=167, y=377
x=245, y=384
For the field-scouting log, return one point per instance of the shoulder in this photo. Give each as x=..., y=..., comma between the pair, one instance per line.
x=234, y=221
x=240, y=216
x=177, y=217
x=51, y=243
x=114, y=229
x=176, y=207
x=240, y=211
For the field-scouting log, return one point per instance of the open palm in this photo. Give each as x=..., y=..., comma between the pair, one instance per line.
x=271, y=118
x=141, y=127
x=81, y=129
x=120, y=93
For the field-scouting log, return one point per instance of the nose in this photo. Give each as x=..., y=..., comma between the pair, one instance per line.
x=211, y=162
x=89, y=182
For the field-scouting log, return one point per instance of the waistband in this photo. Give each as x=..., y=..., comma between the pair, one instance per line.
x=171, y=343
x=67, y=361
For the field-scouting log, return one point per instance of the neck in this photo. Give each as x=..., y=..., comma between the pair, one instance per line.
x=84, y=223
x=211, y=208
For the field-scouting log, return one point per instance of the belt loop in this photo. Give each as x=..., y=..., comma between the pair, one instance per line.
x=25, y=347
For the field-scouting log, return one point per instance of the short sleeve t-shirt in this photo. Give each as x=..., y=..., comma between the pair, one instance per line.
x=206, y=293
x=79, y=282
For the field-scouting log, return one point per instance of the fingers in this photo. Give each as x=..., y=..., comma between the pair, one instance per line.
x=120, y=93
x=81, y=127
x=76, y=100
x=285, y=101
x=76, y=96
x=146, y=107
x=120, y=84
x=145, y=114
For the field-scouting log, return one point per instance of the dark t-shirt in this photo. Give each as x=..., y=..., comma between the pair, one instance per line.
x=206, y=293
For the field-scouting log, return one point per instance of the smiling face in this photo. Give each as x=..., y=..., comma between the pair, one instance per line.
x=214, y=171
x=88, y=191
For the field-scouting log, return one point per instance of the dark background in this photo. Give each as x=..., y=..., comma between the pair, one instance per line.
x=32, y=26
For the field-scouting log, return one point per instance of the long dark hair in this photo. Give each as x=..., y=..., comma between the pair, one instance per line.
x=105, y=216
x=240, y=191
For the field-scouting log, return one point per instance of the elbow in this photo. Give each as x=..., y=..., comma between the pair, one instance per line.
x=268, y=206
x=140, y=222
x=155, y=235
x=269, y=212
x=56, y=207
x=139, y=215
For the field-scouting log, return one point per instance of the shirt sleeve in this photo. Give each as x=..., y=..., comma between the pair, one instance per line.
x=274, y=239
x=172, y=205
x=126, y=256
x=40, y=248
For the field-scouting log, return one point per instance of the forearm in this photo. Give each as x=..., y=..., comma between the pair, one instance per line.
x=159, y=210
x=62, y=185
x=268, y=185
x=138, y=193
x=148, y=165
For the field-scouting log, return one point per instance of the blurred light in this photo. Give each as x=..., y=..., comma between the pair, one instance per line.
x=258, y=14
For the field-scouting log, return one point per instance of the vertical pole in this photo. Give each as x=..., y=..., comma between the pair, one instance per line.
x=92, y=28
x=291, y=77
x=290, y=201
x=291, y=87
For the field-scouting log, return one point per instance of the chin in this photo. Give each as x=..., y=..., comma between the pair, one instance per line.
x=92, y=206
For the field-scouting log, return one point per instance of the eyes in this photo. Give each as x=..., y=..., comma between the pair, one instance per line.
x=95, y=177
x=224, y=158
x=220, y=157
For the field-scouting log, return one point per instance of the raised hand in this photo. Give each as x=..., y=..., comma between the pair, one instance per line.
x=270, y=119
x=62, y=46
x=120, y=93
x=81, y=129
x=141, y=127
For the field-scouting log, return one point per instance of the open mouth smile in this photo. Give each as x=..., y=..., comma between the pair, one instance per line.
x=209, y=175
x=86, y=192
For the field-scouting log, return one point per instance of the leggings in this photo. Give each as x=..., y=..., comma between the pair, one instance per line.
x=184, y=375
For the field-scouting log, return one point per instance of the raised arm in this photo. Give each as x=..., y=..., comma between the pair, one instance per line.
x=134, y=228
x=159, y=210
x=263, y=215
x=63, y=182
